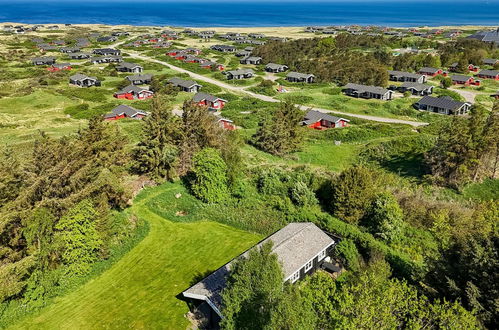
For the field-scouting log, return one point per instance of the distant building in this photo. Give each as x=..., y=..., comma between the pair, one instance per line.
x=443, y=105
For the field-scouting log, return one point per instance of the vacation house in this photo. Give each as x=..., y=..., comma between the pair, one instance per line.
x=442, y=105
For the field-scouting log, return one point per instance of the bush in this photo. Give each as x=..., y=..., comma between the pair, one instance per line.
x=210, y=176
x=348, y=254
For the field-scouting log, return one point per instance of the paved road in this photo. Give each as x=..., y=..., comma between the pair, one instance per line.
x=269, y=98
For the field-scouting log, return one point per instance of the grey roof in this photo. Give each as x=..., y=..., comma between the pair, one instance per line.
x=314, y=116
x=126, y=110
x=240, y=72
x=80, y=76
x=299, y=75
x=205, y=96
x=44, y=59
x=404, y=74
x=486, y=36
x=428, y=69
x=444, y=102
x=294, y=245
x=132, y=89
x=134, y=77
x=61, y=65
x=490, y=61
x=128, y=65
x=460, y=78
x=416, y=86
x=489, y=72
x=275, y=66
x=183, y=83
x=369, y=89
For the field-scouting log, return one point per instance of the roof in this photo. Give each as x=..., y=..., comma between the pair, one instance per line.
x=132, y=89
x=61, y=65
x=128, y=65
x=146, y=76
x=294, y=245
x=369, y=89
x=299, y=75
x=444, y=102
x=275, y=66
x=205, y=96
x=490, y=61
x=183, y=83
x=415, y=86
x=240, y=72
x=80, y=76
x=404, y=74
x=43, y=59
x=460, y=78
x=428, y=69
x=489, y=72
x=128, y=111
x=314, y=116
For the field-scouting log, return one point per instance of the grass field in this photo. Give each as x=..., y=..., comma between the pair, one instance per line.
x=140, y=290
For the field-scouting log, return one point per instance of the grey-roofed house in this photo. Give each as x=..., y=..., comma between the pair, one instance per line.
x=212, y=102
x=239, y=74
x=320, y=120
x=106, y=59
x=416, y=88
x=68, y=50
x=490, y=61
x=106, y=39
x=185, y=85
x=133, y=92
x=255, y=60
x=275, y=68
x=491, y=36
x=489, y=74
x=243, y=53
x=442, y=105
x=368, y=92
x=79, y=56
x=140, y=79
x=301, y=249
x=107, y=51
x=82, y=80
x=224, y=48
x=46, y=60
x=125, y=111
x=129, y=67
x=300, y=77
x=406, y=76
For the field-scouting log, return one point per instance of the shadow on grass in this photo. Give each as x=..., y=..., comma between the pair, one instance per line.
x=408, y=165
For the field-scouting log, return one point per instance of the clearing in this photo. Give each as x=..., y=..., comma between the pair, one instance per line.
x=140, y=290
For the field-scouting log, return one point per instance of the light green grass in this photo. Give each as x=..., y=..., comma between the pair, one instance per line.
x=140, y=290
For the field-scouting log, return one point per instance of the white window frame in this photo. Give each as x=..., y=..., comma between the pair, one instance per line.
x=321, y=255
x=295, y=277
x=309, y=265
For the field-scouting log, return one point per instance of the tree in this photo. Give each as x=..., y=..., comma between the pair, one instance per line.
x=210, y=176
x=446, y=82
x=79, y=238
x=157, y=152
x=10, y=176
x=256, y=297
x=280, y=133
x=385, y=217
x=38, y=230
x=352, y=193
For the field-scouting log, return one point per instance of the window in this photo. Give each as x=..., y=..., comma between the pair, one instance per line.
x=309, y=265
x=322, y=255
x=295, y=277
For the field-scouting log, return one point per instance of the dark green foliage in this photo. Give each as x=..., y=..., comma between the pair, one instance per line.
x=352, y=193
x=209, y=176
x=348, y=254
x=280, y=134
x=467, y=149
x=385, y=218
x=256, y=298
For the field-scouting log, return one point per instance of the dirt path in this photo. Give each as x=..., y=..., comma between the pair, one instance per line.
x=240, y=89
x=469, y=96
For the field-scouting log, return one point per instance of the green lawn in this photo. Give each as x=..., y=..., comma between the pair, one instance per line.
x=140, y=290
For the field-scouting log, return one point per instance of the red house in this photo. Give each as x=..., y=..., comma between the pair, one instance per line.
x=489, y=74
x=460, y=79
x=430, y=72
x=212, y=102
x=225, y=123
x=209, y=65
x=133, y=92
x=473, y=68
x=320, y=120
x=59, y=66
x=173, y=52
x=124, y=111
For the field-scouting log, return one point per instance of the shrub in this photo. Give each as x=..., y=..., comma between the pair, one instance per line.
x=210, y=176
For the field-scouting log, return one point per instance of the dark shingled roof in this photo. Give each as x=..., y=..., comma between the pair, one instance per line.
x=80, y=76
x=416, y=86
x=460, y=78
x=299, y=75
x=274, y=66
x=429, y=70
x=183, y=83
x=294, y=245
x=134, y=77
x=489, y=72
x=444, y=102
x=404, y=74
x=128, y=111
x=314, y=116
x=364, y=88
x=205, y=96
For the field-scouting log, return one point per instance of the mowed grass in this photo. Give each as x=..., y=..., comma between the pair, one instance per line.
x=140, y=291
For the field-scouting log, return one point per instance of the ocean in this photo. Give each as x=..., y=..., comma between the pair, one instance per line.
x=253, y=13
